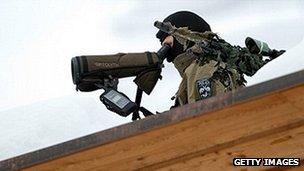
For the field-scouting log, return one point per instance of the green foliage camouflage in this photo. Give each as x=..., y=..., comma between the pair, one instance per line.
x=209, y=46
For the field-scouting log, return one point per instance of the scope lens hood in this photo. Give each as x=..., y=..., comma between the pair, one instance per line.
x=76, y=69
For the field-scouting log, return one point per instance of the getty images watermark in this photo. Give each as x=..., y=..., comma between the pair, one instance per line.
x=266, y=161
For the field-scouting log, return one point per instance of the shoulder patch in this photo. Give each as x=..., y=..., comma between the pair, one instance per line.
x=204, y=88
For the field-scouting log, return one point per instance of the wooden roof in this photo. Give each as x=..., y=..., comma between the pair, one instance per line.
x=264, y=120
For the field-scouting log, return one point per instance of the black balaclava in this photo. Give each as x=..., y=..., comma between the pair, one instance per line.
x=182, y=19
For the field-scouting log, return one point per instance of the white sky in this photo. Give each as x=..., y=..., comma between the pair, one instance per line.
x=38, y=39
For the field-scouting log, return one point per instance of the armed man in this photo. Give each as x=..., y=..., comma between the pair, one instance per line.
x=207, y=64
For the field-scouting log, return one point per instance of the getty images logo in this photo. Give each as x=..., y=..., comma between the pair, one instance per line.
x=266, y=161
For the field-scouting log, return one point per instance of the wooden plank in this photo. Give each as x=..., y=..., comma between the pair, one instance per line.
x=205, y=134
x=289, y=143
x=200, y=128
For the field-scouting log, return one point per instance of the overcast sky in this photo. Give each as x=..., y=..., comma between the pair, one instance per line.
x=38, y=39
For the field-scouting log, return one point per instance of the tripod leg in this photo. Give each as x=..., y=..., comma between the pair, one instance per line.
x=135, y=115
x=139, y=93
x=145, y=111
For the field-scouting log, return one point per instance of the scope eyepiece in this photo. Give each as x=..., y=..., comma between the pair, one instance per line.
x=162, y=52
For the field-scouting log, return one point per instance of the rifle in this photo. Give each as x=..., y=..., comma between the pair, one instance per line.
x=183, y=35
x=90, y=73
x=245, y=60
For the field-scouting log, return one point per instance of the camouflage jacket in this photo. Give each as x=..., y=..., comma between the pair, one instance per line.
x=222, y=65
